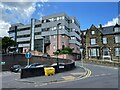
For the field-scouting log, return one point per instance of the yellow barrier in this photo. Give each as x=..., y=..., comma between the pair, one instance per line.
x=49, y=71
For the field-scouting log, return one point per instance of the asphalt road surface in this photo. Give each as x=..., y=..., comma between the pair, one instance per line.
x=101, y=77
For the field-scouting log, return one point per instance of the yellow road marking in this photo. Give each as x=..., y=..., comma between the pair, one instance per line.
x=88, y=74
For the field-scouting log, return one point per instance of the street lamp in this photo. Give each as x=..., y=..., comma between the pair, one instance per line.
x=57, y=45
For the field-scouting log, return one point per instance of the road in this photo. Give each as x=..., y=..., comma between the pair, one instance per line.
x=101, y=77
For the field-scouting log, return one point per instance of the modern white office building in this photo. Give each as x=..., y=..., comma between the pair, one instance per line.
x=46, y=35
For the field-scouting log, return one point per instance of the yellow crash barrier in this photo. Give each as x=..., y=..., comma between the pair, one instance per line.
x=49, y=71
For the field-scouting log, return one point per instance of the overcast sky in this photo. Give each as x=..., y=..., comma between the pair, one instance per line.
x=87, y=13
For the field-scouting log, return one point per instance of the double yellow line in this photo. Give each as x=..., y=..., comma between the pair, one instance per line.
x=86, y=75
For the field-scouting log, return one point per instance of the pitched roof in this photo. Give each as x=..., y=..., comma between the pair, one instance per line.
x=107, y=30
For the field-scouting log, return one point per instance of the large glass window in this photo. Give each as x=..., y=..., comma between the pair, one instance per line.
x=117, y=51
x=93, y=41
x=117, y=39
x=104, y=40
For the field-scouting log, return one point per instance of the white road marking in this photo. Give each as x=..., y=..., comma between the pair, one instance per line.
x=103, y=74
x=97, y=75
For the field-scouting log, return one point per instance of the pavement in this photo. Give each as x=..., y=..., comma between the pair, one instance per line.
x=74, y=74
x=12, y=80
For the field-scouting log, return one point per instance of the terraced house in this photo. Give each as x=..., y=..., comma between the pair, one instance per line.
x=103, y=43
x=44, y=35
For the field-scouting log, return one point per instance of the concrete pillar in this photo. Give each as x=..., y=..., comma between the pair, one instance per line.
x=43, y=44
x=32, y=34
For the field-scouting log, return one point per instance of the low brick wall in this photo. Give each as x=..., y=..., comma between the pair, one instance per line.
x=12, y=59
x=100, y=62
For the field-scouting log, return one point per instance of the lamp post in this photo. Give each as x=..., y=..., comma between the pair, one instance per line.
x=58, y=45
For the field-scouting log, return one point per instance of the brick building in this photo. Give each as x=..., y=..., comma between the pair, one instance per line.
x=103, y=42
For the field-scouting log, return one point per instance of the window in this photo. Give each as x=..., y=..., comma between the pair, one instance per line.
x=63, y=17
x=55, y=28
x=58, y=18
x=93, y=41
x=117, y=29
x=52, y=28
x=72, y=37
x=93, y=52
x=117, y=51
x=60, y=27
x=39, y=25
x=73, y=30
x=44, y=21
x=93, y=32
x=84, y=33
x=106, y=52
x=104, y=40
x=63, y=27
x=54, y=47
x=52, y=19
x=63, y=36
x=54, y=36
x=117, y=39
x=73, y=21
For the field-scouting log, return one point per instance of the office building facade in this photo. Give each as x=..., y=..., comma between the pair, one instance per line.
x=43, y=35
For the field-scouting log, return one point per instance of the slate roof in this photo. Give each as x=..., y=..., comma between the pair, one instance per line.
x=107, y=30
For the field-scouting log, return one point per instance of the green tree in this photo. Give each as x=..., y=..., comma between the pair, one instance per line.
x=65, y=50
x=7, y=42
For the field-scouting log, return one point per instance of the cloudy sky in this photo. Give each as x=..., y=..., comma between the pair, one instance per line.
x=87, y=13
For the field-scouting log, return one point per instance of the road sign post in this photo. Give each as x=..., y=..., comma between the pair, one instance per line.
x=28, y=55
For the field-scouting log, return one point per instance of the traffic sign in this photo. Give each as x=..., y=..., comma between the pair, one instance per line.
x=28, y=55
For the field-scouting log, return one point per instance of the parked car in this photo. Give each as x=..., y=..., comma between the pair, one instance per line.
x=45, y=55
x=35, y=65
x=16, y=68
x=60, y=64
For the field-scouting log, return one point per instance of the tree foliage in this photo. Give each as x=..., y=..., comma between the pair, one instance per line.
x=65, y=50
x=7, y=42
